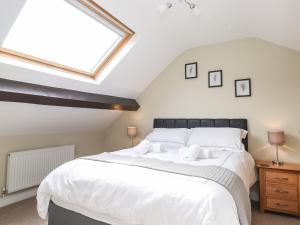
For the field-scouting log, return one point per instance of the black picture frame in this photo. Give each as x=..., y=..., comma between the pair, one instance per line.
x=210, y=73
x=195, y=70
x=248, y=82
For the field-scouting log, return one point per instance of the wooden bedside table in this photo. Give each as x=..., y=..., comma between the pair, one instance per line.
x=279, y=187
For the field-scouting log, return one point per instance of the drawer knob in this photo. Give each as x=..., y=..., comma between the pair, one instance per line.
x=281, y=178
x=281, y=205
x=281, y=192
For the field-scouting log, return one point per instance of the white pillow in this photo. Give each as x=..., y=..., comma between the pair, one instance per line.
x=243, y=133
x=218, y=137
x=218, y=149
x=171, y=135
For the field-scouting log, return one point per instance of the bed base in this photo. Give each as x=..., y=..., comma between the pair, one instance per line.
x=61, y=216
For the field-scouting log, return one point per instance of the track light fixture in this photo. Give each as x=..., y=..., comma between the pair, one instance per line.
x=169, y=5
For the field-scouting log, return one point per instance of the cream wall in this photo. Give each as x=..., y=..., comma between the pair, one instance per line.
x=85, y=144
x=275, y=101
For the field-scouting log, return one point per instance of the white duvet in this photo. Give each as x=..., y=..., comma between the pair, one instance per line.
x=125, y=195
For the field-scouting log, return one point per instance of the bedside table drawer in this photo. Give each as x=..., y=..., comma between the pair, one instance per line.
x=281, y=190
x=289, y=206
x=281, y=177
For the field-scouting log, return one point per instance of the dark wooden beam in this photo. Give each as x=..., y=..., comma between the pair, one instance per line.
x=15, y=91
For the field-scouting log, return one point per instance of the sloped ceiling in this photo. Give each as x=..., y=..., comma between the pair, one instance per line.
x=160, y=38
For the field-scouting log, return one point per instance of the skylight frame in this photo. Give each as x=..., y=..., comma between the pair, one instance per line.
x=95, y=8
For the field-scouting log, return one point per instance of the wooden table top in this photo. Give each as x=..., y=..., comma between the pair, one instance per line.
x=270, y=165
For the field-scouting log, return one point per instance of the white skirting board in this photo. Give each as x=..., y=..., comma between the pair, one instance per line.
x=17, y=197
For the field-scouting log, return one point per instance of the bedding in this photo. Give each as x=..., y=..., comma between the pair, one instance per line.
x=125, y=195
x=168, y=146
x=228, y=179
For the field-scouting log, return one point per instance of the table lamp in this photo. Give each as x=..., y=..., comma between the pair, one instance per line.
x=131, y=132
x=276, y=138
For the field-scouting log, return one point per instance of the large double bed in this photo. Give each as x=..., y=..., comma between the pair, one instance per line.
x=157, y=188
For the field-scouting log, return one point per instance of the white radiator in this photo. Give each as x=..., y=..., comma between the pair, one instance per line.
x=28, y=168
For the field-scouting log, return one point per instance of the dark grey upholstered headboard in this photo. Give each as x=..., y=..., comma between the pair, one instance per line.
x=192, y=123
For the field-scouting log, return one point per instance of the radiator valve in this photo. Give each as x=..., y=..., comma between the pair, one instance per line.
x=4, y=191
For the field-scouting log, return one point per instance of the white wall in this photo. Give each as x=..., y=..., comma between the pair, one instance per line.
x=275, y=76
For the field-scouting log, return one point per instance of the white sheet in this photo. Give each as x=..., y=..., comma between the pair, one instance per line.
x=125, y=195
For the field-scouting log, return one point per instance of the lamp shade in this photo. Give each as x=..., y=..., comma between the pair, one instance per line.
x=131, y=131
x=276, y=137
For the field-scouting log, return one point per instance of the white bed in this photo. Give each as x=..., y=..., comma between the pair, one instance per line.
x=125, y=195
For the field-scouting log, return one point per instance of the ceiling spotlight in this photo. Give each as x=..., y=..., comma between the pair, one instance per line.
x=162, y=8
x=192, y=5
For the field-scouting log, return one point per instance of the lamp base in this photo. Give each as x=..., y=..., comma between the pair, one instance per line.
x=277, y=163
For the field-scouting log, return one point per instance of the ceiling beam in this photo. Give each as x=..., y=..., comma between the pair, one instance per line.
x=15, y=91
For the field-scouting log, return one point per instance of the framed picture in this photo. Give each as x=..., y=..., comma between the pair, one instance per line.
x=191, y=70
x=215, y=78
x=242, y=88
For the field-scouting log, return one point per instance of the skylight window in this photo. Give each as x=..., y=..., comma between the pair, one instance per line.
x=73, y=35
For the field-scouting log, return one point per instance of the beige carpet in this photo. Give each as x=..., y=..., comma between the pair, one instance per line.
x=24, y=213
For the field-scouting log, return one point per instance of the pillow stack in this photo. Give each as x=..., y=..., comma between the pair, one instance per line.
x=193, y=143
